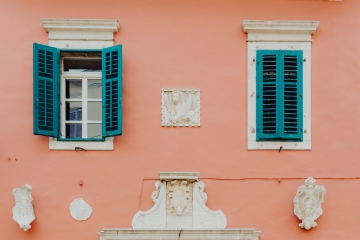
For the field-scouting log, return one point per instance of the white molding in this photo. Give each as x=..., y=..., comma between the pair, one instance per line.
x=80, y=33
x=228, y=234
x=189, y=176
x=270, y=36
x=63, y=24
x=108, y=144
x=279, y=31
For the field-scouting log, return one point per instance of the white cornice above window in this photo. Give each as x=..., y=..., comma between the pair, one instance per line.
x=279, y=31
x=80, y=33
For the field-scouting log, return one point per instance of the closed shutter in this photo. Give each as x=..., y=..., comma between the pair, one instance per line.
x=46, y=90
x=279, y=95
x=112, y=91
x=291, y=95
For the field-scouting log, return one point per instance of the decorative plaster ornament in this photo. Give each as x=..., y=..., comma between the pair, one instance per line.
x=181, y=107
x=23, y=212
x=179, y=203
x=80, y=210
x=307, y=203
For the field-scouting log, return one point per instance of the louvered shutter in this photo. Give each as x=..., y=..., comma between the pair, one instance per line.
x=279, y=95
x=46, y=90
x=267, y=88
x=291, y=95
x=112, y=91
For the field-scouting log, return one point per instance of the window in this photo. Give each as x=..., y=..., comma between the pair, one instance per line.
x=276, y=118
x=77, y=93
x=279, y=95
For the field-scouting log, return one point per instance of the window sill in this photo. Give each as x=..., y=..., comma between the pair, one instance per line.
x=106, y=145
x=256, y=145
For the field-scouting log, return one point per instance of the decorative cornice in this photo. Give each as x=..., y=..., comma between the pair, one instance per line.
x=230, y=234
x=110, y=25
x=291, y=31
x=169, y=176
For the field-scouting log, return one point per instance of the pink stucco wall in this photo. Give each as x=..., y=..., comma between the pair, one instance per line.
x=185, y=44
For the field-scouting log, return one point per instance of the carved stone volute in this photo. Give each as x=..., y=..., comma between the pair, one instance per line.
x=179, y=203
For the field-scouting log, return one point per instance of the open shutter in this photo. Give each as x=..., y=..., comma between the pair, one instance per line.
x=267, y=99
x=112, y=91
x=46, y=90
x=291, y=105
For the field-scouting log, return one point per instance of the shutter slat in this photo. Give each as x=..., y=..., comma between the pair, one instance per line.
x=46, y=82
x=112, y=91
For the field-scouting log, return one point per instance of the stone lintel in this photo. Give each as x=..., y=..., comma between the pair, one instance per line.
x=169, y=176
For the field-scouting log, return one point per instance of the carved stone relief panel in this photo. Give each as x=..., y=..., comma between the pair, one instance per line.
x=179, y=203
x=307, y=203
x=80, y=210
x=180, y=107
x=179, y=197
x=23, y=212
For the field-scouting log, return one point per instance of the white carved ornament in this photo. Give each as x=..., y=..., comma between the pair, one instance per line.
x=307, y=203
x=80, y=210
x=179, y=197
x=179, y=204
x=23, y=211
x=180, y=107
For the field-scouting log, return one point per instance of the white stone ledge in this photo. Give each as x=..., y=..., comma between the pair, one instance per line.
x=168, y=176
x=50, y=24
x=279, y=31
x=225, y=234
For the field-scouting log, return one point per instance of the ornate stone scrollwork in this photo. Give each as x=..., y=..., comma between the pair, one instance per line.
x=23, y=211
x=307, y=203
x=180, y=107
x=179, y=203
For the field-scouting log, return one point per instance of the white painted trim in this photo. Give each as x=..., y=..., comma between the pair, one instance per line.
x=305, y=46
x=279, y=31
x=54, y=144
x=130, y=234
x=80, y=33
x=65, y=24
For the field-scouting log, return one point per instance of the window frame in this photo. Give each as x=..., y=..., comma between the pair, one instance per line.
x=84, y=77
x=279, y=35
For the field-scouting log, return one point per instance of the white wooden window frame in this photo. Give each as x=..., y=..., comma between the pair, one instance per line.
x=80, y=34
x=279, y=35
x=83, y=77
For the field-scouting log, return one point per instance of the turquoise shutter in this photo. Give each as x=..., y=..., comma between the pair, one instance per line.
x=267, y=94
x=292, y=99
x=279, y=105
x=112, y=91
x=46, y=90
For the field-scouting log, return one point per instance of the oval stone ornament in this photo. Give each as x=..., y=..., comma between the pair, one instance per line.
x=80, y=210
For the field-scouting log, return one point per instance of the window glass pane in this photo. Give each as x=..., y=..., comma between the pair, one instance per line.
x=94, y=111
x=73, y=111
x=73, y=89
x=94, y=130
x=94, y=89
x=73, y=130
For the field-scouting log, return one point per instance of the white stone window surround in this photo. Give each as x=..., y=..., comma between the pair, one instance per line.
x=279, y=35
x=80, y=34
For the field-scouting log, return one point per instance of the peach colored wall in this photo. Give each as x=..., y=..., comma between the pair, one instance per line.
x=184, y=44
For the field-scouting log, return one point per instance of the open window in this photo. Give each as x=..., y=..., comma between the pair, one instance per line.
x=77, y=93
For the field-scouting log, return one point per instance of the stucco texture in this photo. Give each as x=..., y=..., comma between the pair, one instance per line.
x=184, y=44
